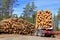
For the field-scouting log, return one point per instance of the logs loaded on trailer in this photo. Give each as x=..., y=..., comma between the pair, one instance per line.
x=16, y=26
x=44, y=19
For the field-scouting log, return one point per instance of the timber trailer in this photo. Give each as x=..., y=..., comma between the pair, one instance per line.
x=44, y=24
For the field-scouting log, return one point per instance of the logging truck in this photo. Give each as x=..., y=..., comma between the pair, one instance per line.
x=44, y=24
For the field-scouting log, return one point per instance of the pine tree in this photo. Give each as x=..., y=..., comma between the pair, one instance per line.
x=26, y=11
x=33, y=7
x=58, y=15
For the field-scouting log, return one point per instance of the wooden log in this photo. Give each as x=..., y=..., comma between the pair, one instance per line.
x=44, y=19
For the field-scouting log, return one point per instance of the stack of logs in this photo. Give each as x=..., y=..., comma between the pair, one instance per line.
x=16, y=26
x=44, y=19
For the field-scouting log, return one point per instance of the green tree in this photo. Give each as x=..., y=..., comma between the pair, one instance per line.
x=56, y=19
x=7, y=4
x=14, y=16
x=26, y=11
x=34, y=17
x=58, y=15
x=1, y=17
x=55, y=23
x=29, y=12
x=6, y=15
x=33, y=7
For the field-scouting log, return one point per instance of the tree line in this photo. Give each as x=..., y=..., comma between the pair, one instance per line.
x=57, y=20
x=6, y=11
x=29, y=12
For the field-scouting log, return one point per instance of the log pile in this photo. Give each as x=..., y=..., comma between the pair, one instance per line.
x=44, y=19
x=16, y=26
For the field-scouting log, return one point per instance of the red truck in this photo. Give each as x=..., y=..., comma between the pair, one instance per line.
x=44, y=24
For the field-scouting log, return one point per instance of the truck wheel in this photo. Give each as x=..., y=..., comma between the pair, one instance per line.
x=43, y=35
x=40, y=35
x=53, y=36
x=36, y=33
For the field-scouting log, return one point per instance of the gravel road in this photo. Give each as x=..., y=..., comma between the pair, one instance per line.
x=20, y=37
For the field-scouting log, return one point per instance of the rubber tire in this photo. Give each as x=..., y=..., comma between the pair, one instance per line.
x=43, y=35
x=53, y=36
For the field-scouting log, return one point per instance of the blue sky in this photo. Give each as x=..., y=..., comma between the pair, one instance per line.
x=52, y=5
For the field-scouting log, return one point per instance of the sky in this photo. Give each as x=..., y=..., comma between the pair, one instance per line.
x=52, y=5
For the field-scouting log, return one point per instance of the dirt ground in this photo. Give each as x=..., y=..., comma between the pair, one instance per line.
x=21, y=37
